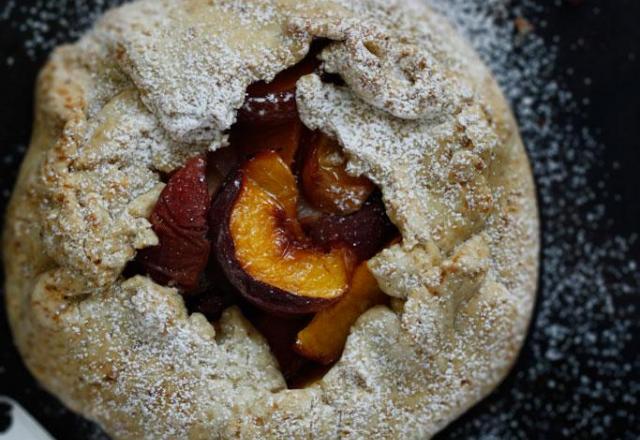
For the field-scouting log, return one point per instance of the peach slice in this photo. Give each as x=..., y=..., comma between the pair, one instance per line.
x=261, y=246
x=179, y=219
x=283, y=138
x=220, y=163
x=325, y=181
x=280, y=334
x=324, y=338
x=364, y=233
x=274, y=102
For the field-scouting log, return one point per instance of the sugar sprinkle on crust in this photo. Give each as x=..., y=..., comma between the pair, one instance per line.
x=155, y=83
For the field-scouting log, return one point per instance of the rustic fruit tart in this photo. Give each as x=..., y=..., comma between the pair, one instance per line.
x=271, y=219
x=276, y=226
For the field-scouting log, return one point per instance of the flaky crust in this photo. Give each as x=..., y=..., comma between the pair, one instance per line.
x=156, y=82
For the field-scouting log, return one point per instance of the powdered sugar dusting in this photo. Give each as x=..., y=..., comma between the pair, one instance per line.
x=583, y=280
x=582, y=339
x=45, y=24
x=463, y=157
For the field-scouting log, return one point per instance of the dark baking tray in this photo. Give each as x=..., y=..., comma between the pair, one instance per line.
x=577, y=389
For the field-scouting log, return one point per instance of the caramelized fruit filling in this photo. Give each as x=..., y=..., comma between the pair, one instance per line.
x=179, y=219
x=323, y=339
x=261, y=247
x=325, y=181
x=275, y=225
x=283, y=139
x=272, y=103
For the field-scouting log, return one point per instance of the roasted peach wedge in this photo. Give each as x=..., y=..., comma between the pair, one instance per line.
x=262, y=248
x=324, y=338
x=280, y=333
x=325, y=181
x=179, y=219
x=364, y=233
x=272, y=103
x=220, y=163
x=283, y=139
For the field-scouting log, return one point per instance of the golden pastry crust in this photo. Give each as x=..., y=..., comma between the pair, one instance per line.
x=156, y=82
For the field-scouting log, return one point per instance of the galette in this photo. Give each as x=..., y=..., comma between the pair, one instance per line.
x=271, y=219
